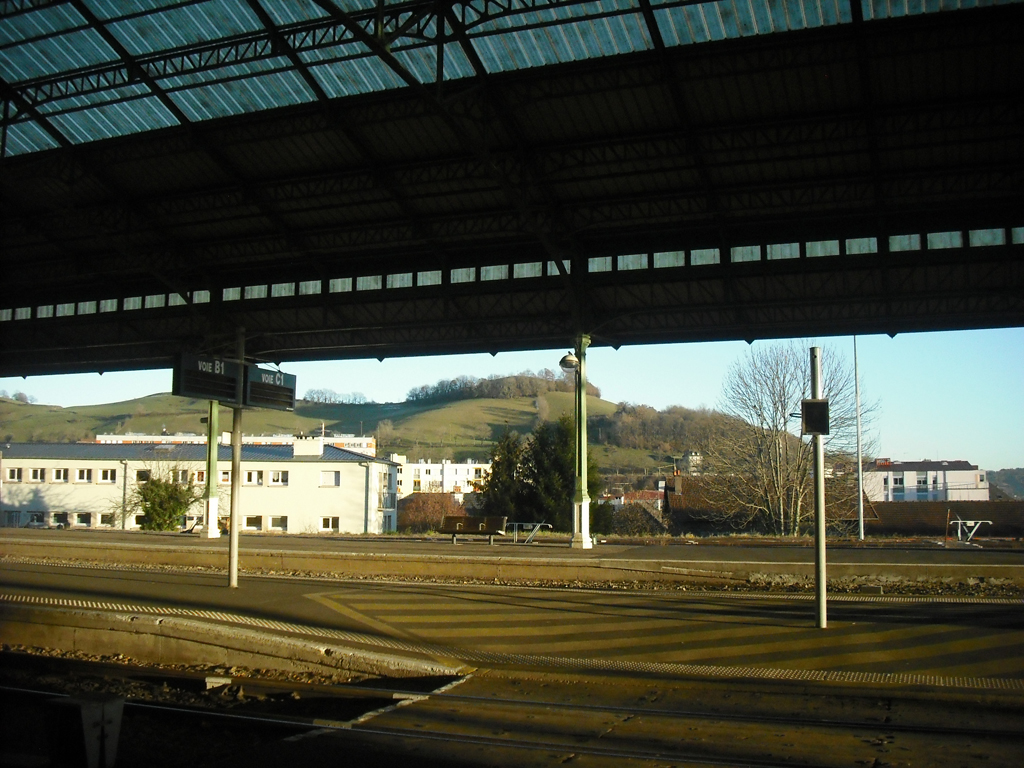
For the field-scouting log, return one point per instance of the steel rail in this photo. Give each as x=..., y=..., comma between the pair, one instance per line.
x=344, y=690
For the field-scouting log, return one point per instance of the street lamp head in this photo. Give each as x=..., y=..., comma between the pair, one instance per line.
x=569, y=363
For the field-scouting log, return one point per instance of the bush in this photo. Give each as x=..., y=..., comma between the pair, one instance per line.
x=637, y=520
x=164, y=503
x=423, y=512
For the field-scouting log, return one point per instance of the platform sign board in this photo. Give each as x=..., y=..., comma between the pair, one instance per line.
x=269, y=389
x=814, y=415
x=207, y=378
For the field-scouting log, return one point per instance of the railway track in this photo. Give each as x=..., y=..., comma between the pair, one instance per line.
x=487, y=719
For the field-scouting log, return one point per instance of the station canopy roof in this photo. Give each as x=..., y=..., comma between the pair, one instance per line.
x=327, y=179
x=76, y=71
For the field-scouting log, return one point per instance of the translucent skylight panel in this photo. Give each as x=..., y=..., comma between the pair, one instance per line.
x=295, y=12
x=73, y=102
x=25, y=137
x=187, y=25
x=682, y=25
x=50, y=55
x=348, y=78
x=117, y=119
x=39, y=23
x=422, y=62
x=256, y=87
x=548, y=36
x=739, y=20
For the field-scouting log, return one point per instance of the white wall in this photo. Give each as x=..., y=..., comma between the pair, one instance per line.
x=315, y=489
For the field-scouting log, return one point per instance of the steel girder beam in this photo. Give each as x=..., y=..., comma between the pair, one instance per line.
x=934, y=290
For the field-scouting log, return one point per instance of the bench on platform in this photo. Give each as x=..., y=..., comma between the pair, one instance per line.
x=464, y=525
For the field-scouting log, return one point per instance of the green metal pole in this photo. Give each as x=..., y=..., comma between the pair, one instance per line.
x=236, y=465
x=212, y=529
x=581, y=538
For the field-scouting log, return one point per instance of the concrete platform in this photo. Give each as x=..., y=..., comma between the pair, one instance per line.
x=348, y=619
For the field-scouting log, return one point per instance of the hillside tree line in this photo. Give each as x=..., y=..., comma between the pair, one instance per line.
x=526, y=384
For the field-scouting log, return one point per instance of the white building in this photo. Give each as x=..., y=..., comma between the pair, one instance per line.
x=438, y=477
x=887, y=480
x=305, y=487
x=365, y=444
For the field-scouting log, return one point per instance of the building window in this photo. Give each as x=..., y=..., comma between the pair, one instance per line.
x=330, y=479
x=279, y=477
x=225, y=477
x=107, y=519
x=180, y=476
x=142, y=476
x=254, y=523
x=60, y=475
x=254, y=477
x=108, y=475
x=38, y=475
x=14, y=474
x=279, y=523
x=330, y=524
x=201, y=476
x=82, y=518
x=415, y=486
x=478, y=472
x=84, y=476
x=922, y=479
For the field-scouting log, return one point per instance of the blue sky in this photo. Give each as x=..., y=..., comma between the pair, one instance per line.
x=950, y=395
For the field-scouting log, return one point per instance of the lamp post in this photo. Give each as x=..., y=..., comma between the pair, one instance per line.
x=577, y=363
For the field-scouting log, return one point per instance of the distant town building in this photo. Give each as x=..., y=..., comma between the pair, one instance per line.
x=653, y=500
x=690, y=463
x=304, y=487
x=365, y=444
x=445, y=476
x=888, y=480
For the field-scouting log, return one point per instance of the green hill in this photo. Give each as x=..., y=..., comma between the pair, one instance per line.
x=1009, y=480
x=457, y=430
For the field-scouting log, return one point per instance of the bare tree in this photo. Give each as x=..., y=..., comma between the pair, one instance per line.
x=385, y=432
x=760, y=470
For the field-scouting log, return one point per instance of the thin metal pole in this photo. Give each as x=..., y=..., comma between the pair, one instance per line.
x=860, y=460
x=819, y=501
x=236, y=466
